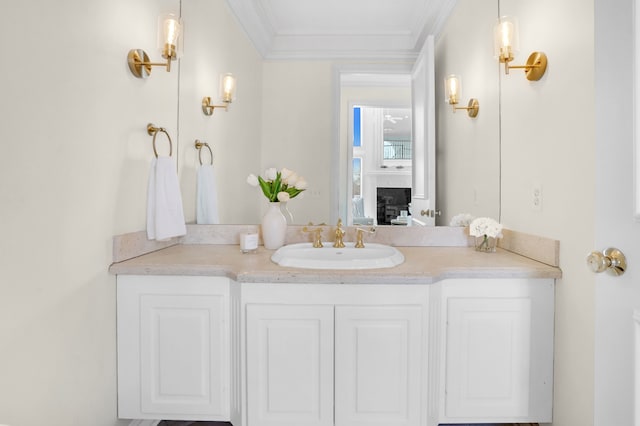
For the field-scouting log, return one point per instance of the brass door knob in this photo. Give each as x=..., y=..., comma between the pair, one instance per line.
x=611, y=260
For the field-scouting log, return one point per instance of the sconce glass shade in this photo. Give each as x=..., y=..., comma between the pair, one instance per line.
x=170, y=36
x=227, y=88
x=452, y=89
x=505, y=38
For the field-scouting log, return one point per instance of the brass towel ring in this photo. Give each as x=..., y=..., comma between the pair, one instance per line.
x=199, y=146
x=153, y=131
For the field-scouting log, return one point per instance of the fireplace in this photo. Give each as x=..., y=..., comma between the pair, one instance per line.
x=390, y=202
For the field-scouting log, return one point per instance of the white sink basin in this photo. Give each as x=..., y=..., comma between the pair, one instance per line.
x=304, y=255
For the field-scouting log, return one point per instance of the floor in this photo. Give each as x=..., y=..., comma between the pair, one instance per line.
x=191, y=423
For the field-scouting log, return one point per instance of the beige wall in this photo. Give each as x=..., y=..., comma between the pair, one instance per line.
x=215, y=44
x=74, y=166
x=297, y=132
x=468, y=149
x=75, y=159
x=545, y=142
x=547, y=139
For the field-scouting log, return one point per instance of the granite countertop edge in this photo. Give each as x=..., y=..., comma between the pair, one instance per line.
x=423, y=265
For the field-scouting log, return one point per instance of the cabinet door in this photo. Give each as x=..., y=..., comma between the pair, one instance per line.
x=488, y=358
x=173, y=348
x=378, y=365
x=289, y=365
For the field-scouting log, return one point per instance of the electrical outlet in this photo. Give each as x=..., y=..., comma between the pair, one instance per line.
x=314, y=193
x=536, y=196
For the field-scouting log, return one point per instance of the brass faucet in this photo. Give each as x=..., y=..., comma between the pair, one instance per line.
x=359, y=235
x=317, y=236
x=339, y=232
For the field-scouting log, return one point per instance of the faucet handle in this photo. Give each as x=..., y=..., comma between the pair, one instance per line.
x=359, y=235
x=317, y=236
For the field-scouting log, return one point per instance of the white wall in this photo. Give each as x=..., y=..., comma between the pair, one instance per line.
x=74, y=165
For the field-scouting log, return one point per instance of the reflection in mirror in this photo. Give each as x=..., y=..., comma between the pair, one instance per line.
x=307, y=128
x=380, y=165
x=375, y=143
x=468, y=149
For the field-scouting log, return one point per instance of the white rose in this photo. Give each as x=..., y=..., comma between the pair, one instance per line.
x=283, y=196
x=301, y=184
x=252, y=180
x=271, y=173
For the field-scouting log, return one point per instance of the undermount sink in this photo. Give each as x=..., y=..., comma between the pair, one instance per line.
x=304, y=255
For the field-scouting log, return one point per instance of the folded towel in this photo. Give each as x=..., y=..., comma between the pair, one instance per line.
x=207, y=196
x=165, y=216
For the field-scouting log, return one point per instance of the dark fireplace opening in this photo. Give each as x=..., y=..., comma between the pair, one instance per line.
x=390, y=202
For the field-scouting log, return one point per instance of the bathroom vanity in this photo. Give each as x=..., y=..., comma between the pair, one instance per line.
x=449, y=336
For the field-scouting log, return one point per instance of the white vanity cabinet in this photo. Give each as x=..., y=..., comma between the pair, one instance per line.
x=324, y=355
x=173, y=347
x=496, y=347
x=459, y=351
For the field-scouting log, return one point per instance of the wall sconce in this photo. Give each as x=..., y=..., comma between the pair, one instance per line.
x=169, y=43
x=453, y=89
x=227, y=91
x=505, y=34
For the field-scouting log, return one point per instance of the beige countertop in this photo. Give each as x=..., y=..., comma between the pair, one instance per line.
x=423, y=265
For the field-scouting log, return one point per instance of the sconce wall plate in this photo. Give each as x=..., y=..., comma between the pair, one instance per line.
x=139, y=63
x=473, y=107
x=536, y=66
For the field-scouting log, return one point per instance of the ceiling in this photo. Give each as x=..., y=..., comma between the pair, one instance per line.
x=340, y=29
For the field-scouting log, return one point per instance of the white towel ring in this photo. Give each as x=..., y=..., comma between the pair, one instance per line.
x=199, y=146
x=153, y=131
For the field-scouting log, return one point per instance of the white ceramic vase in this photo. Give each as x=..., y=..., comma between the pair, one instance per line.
x=274, y=227
x=284, y=208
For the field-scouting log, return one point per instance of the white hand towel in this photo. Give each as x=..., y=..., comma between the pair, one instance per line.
x=165, y=216
x=207, y=196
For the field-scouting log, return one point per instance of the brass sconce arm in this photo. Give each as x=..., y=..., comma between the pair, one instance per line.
x=140, y=65
x=208, y=108
x=534, y=68
x=472, y=108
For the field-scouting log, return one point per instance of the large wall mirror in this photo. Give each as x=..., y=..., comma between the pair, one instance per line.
x=291, y=114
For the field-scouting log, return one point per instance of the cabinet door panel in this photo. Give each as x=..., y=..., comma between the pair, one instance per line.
x=290, y=365
x=488, y=358
x=173, y=348
x=378, y=368
x=182, y=338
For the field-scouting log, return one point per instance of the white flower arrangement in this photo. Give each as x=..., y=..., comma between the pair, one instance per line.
x=280, y=185
x=485, y=226
x=462, y=219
